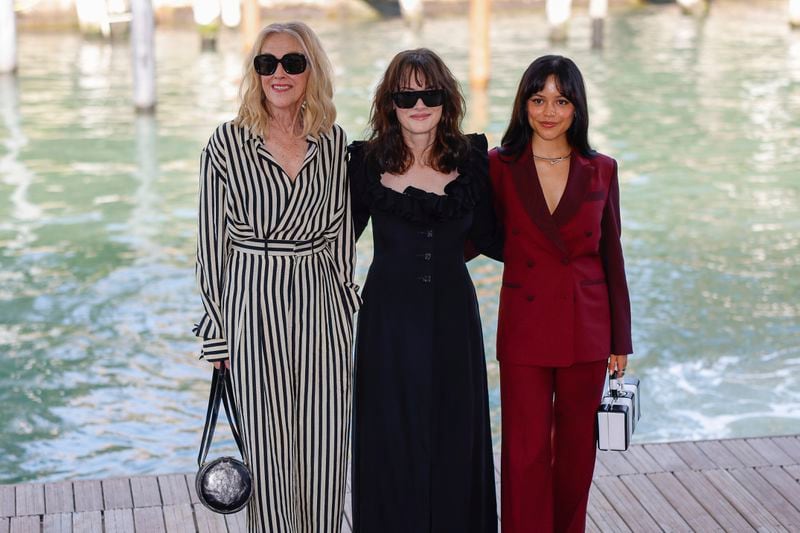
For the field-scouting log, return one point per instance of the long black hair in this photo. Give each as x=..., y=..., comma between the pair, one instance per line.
x=570, y=83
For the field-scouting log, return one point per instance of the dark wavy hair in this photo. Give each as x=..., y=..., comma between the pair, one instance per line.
x=570, y=83
x=386, y=142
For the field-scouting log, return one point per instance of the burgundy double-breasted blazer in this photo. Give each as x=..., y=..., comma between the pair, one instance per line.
x=564, y=298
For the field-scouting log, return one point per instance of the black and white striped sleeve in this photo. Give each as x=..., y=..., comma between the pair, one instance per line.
x=213, y=248
x=343, y=245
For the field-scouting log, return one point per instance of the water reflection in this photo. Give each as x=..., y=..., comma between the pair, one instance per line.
x=97, y=223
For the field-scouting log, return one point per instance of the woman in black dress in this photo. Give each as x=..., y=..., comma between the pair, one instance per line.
x=422, y=450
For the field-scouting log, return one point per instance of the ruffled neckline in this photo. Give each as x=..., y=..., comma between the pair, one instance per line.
x=416, y=205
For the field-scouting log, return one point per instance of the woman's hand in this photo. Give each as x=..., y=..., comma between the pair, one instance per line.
x=218, y=363
x=616, y=363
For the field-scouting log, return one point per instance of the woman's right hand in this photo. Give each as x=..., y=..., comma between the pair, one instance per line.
x=218, y=363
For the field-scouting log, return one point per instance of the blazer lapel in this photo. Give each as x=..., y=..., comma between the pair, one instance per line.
x=580, y=175
x=523, y=174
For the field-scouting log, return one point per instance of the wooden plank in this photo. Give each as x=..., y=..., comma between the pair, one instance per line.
x=692, y=455
x=7, y=499
x=773, y=453
x=615, y=463
x=57, y=523
x=600, y=469
x=654, y=503
x=208, y=522
x=30, y=499
x=745, y=453
x=117, y=494
x=714, y=502
x=743, y=501
x=119, y=521
x=88, y=497
x=5, y=524
x=88, y=522
x=145, y=491
x=684, y=503
x=591, y=527
x=25, y=524
x=179, y=518
x=639, y=459
x=150, y=519
x=666, y=457
x=174, y=490
x=783, y=482
x=719, y=454
x=793, y=470
x=767, y=495
x=192, y=491
x=237, y=522
x=790, y=445
x=603, y=514
x=58, y=497
x=626, y=504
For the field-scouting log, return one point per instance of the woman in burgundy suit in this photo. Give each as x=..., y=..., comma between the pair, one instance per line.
x=564, y=313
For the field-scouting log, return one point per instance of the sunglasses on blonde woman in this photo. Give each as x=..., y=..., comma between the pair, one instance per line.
x=408, y=99
x=267, y=64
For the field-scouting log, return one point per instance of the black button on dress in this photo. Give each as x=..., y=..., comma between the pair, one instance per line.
x=422, y=449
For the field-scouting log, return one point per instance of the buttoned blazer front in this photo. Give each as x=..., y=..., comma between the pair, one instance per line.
x=564, y=297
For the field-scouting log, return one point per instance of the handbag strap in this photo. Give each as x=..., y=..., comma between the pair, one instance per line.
x=221, y=391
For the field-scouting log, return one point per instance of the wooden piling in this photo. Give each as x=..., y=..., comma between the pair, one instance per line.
x=598, y=11
x=694, y=7
x=794, y=14
x=251, y=23
x=144, y=56
x=479, y=52
x=412, y=12
x=8, y=37
x=558, y=14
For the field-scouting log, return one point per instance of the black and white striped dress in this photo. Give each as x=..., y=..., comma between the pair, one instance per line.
x=275, y=261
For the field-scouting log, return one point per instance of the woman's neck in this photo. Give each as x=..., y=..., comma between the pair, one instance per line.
x=419, y=144
x=554, y=148
x=286, y=121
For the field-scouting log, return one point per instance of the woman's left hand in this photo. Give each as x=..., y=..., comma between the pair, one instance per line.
x=617, y=363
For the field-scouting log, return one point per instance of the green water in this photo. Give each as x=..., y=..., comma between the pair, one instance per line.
x=98, y=369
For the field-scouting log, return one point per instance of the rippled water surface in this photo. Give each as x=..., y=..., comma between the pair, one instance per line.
x=98, y=369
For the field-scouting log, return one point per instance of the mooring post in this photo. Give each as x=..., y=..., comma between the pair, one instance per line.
x=794, y=14
x=558, y=13
x=206, y=16
x=598, y=10
x=479, y=52
x=8, y=37
x=231, y=13
x=251, y=23
x=144, y=56
x=694, y=7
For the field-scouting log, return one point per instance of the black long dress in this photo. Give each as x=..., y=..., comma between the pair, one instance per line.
x=422, y=449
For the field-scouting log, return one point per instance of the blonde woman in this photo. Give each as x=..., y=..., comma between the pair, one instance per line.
x=275, y=260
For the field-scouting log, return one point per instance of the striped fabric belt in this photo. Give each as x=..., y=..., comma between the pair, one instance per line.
x=279, y=247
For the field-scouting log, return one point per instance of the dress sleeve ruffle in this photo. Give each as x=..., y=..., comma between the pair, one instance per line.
x=415, y=205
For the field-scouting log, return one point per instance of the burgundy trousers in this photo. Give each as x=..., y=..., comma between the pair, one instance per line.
x=548, y=449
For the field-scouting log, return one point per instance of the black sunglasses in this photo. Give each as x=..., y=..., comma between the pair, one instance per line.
x=267, y=64
x=408, y=99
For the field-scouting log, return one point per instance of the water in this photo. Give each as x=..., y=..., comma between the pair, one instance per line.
x=98, y=369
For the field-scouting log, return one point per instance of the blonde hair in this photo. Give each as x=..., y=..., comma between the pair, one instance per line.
x=318, y=112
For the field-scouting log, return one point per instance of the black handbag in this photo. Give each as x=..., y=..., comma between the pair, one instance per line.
x=224, y=485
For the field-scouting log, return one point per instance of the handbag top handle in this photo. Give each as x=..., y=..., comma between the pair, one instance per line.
x=221, y=391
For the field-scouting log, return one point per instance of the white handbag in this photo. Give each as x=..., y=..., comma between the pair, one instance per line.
x=618, y=413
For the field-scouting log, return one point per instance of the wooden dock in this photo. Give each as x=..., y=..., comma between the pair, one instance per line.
x=714, y=485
